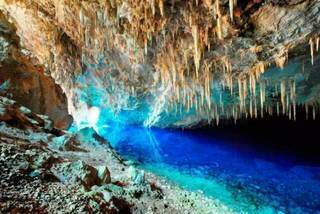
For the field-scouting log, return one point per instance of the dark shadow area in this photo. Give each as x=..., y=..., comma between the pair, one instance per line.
x=273, y=136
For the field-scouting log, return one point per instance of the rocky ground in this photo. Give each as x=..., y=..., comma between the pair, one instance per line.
x=45, y=170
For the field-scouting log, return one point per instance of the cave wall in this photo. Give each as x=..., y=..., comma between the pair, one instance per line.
x=22, y=78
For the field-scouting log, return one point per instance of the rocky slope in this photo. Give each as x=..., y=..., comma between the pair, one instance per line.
x=45, y=170
x=169, y=63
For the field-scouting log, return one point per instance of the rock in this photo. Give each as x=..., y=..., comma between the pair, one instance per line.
x=26, y=81
x=83, y=140
x=137, y=176
x=104, y=174
x=77, y=172
x=67, y=142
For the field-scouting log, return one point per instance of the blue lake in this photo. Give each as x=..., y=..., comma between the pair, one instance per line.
x=247, y=179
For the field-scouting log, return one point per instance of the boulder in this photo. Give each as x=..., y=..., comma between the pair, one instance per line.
x=77, y=172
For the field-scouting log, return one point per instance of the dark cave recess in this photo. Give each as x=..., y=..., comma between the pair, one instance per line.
x=272, y=136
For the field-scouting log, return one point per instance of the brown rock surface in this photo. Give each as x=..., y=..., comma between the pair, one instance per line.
x=25, y=80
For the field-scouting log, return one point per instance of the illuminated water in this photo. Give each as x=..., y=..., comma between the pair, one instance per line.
x=244, y=178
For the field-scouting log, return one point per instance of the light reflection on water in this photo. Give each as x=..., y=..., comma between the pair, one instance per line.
x=242, y=177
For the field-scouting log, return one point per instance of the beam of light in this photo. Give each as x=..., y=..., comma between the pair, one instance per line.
x=93, y=116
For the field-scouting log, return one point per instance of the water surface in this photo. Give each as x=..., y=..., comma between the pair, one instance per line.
x=247, y=178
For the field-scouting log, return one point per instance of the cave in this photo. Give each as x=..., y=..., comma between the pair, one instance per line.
x=159, y=106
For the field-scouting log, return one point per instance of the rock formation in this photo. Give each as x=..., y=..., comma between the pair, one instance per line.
x=172, y=63
x=23, y=79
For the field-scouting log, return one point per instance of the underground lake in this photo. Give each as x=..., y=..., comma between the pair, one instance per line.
x=254, y=167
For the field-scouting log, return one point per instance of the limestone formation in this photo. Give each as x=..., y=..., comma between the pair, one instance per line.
x=169, y=59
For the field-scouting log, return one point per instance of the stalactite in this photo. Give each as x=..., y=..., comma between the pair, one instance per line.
x=232, y=4
x=153, y=7
x=293, y=99
x=281, y=61
x=245, y=90
x=262, y=94
x=317, y=43
x=283, y=95
x=219, y=27
x=311, y=43
x=161, y=7
x=145, y=45
x=287, y=105
x=81, y=16
x=255, y=109
x=196, y=55
x=294, y=112
x=231, y=9
x=251, y=109
x=208, y=3
x=217, y=115
x=206, y=37
x=289, y=113
x=252, y=85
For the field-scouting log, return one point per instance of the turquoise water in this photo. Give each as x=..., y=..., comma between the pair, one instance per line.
x=244, y=178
